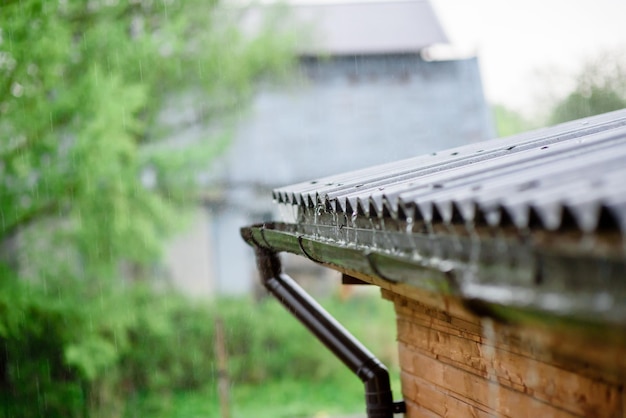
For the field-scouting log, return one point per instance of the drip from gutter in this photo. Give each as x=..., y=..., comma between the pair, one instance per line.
x=374, y=375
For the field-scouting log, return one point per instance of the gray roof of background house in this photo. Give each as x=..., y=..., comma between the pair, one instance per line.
x=382, y=102
x=369, y=27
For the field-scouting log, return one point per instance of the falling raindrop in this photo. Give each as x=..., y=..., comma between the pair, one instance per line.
x=335, y=226
x=409, y=225
x=353, y=219
x=488, y=349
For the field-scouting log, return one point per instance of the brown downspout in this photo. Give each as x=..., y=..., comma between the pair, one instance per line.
x=374, y=375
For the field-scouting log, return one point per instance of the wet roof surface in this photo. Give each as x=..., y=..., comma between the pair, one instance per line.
x=535, y=223
x=568, y=176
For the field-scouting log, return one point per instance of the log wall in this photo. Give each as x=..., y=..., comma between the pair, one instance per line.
x=457, y=364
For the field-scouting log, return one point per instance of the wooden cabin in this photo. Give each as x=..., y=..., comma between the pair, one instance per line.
x=505, y=261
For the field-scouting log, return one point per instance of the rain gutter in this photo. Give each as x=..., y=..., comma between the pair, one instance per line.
x=507, y=279
x=374, y=375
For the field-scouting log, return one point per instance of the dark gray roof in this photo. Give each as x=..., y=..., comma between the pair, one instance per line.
x=570, y=175
x=364, y=27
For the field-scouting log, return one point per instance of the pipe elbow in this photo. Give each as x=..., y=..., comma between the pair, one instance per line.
x=378, y=395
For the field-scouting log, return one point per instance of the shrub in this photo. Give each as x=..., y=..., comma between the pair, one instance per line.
x=70, y=351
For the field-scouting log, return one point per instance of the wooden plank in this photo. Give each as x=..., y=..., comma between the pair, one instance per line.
x=507, y=337
x=470, y=387
x=570, y=352
x=414, y=410
x=560, y=367
x=427, y=314
x=440, y=402
x=405, y=295
x=562, y=388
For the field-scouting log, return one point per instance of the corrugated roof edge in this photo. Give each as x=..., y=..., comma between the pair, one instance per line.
x=573, y=171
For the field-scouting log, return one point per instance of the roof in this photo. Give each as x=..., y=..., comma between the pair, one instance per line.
x=369, y=27
x=571, y=175
x=533, y=224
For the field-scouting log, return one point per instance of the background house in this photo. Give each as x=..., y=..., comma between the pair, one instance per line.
x=363, y=94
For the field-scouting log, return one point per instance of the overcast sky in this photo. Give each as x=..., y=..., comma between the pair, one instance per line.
x=516, y=38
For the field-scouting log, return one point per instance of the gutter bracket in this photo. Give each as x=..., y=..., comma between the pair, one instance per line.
x=304, y=251
x=399, y=407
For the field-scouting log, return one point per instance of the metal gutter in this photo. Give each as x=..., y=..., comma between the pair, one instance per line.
x=374, y=375
x=511, y=278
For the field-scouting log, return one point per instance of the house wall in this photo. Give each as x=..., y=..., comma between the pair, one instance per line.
x=347, y=113
x=455, y=364
x=189, y=259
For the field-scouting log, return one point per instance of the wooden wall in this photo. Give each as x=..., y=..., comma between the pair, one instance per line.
x=456, y=364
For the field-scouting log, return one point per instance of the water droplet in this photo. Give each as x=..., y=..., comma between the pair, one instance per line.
x=409, y=225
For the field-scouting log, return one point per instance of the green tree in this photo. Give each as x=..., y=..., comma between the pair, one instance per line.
x=599, y=87
x=81, y=87
x=90, y=179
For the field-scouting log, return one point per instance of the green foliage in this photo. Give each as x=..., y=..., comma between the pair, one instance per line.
x=172, y=345
x=276, y=367
x=594, y=101
x=67, y=358
x=91, y=182
x=273, y=399
x=599, y=87
x=82, y=85
x=135, y=349
x=509, y=121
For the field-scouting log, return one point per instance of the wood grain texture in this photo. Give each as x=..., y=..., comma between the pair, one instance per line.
x=464, y=366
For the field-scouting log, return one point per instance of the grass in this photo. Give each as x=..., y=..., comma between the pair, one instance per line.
x=288, y=399
x=274, y=399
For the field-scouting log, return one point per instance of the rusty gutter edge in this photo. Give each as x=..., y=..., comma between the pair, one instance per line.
x=374, y=375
